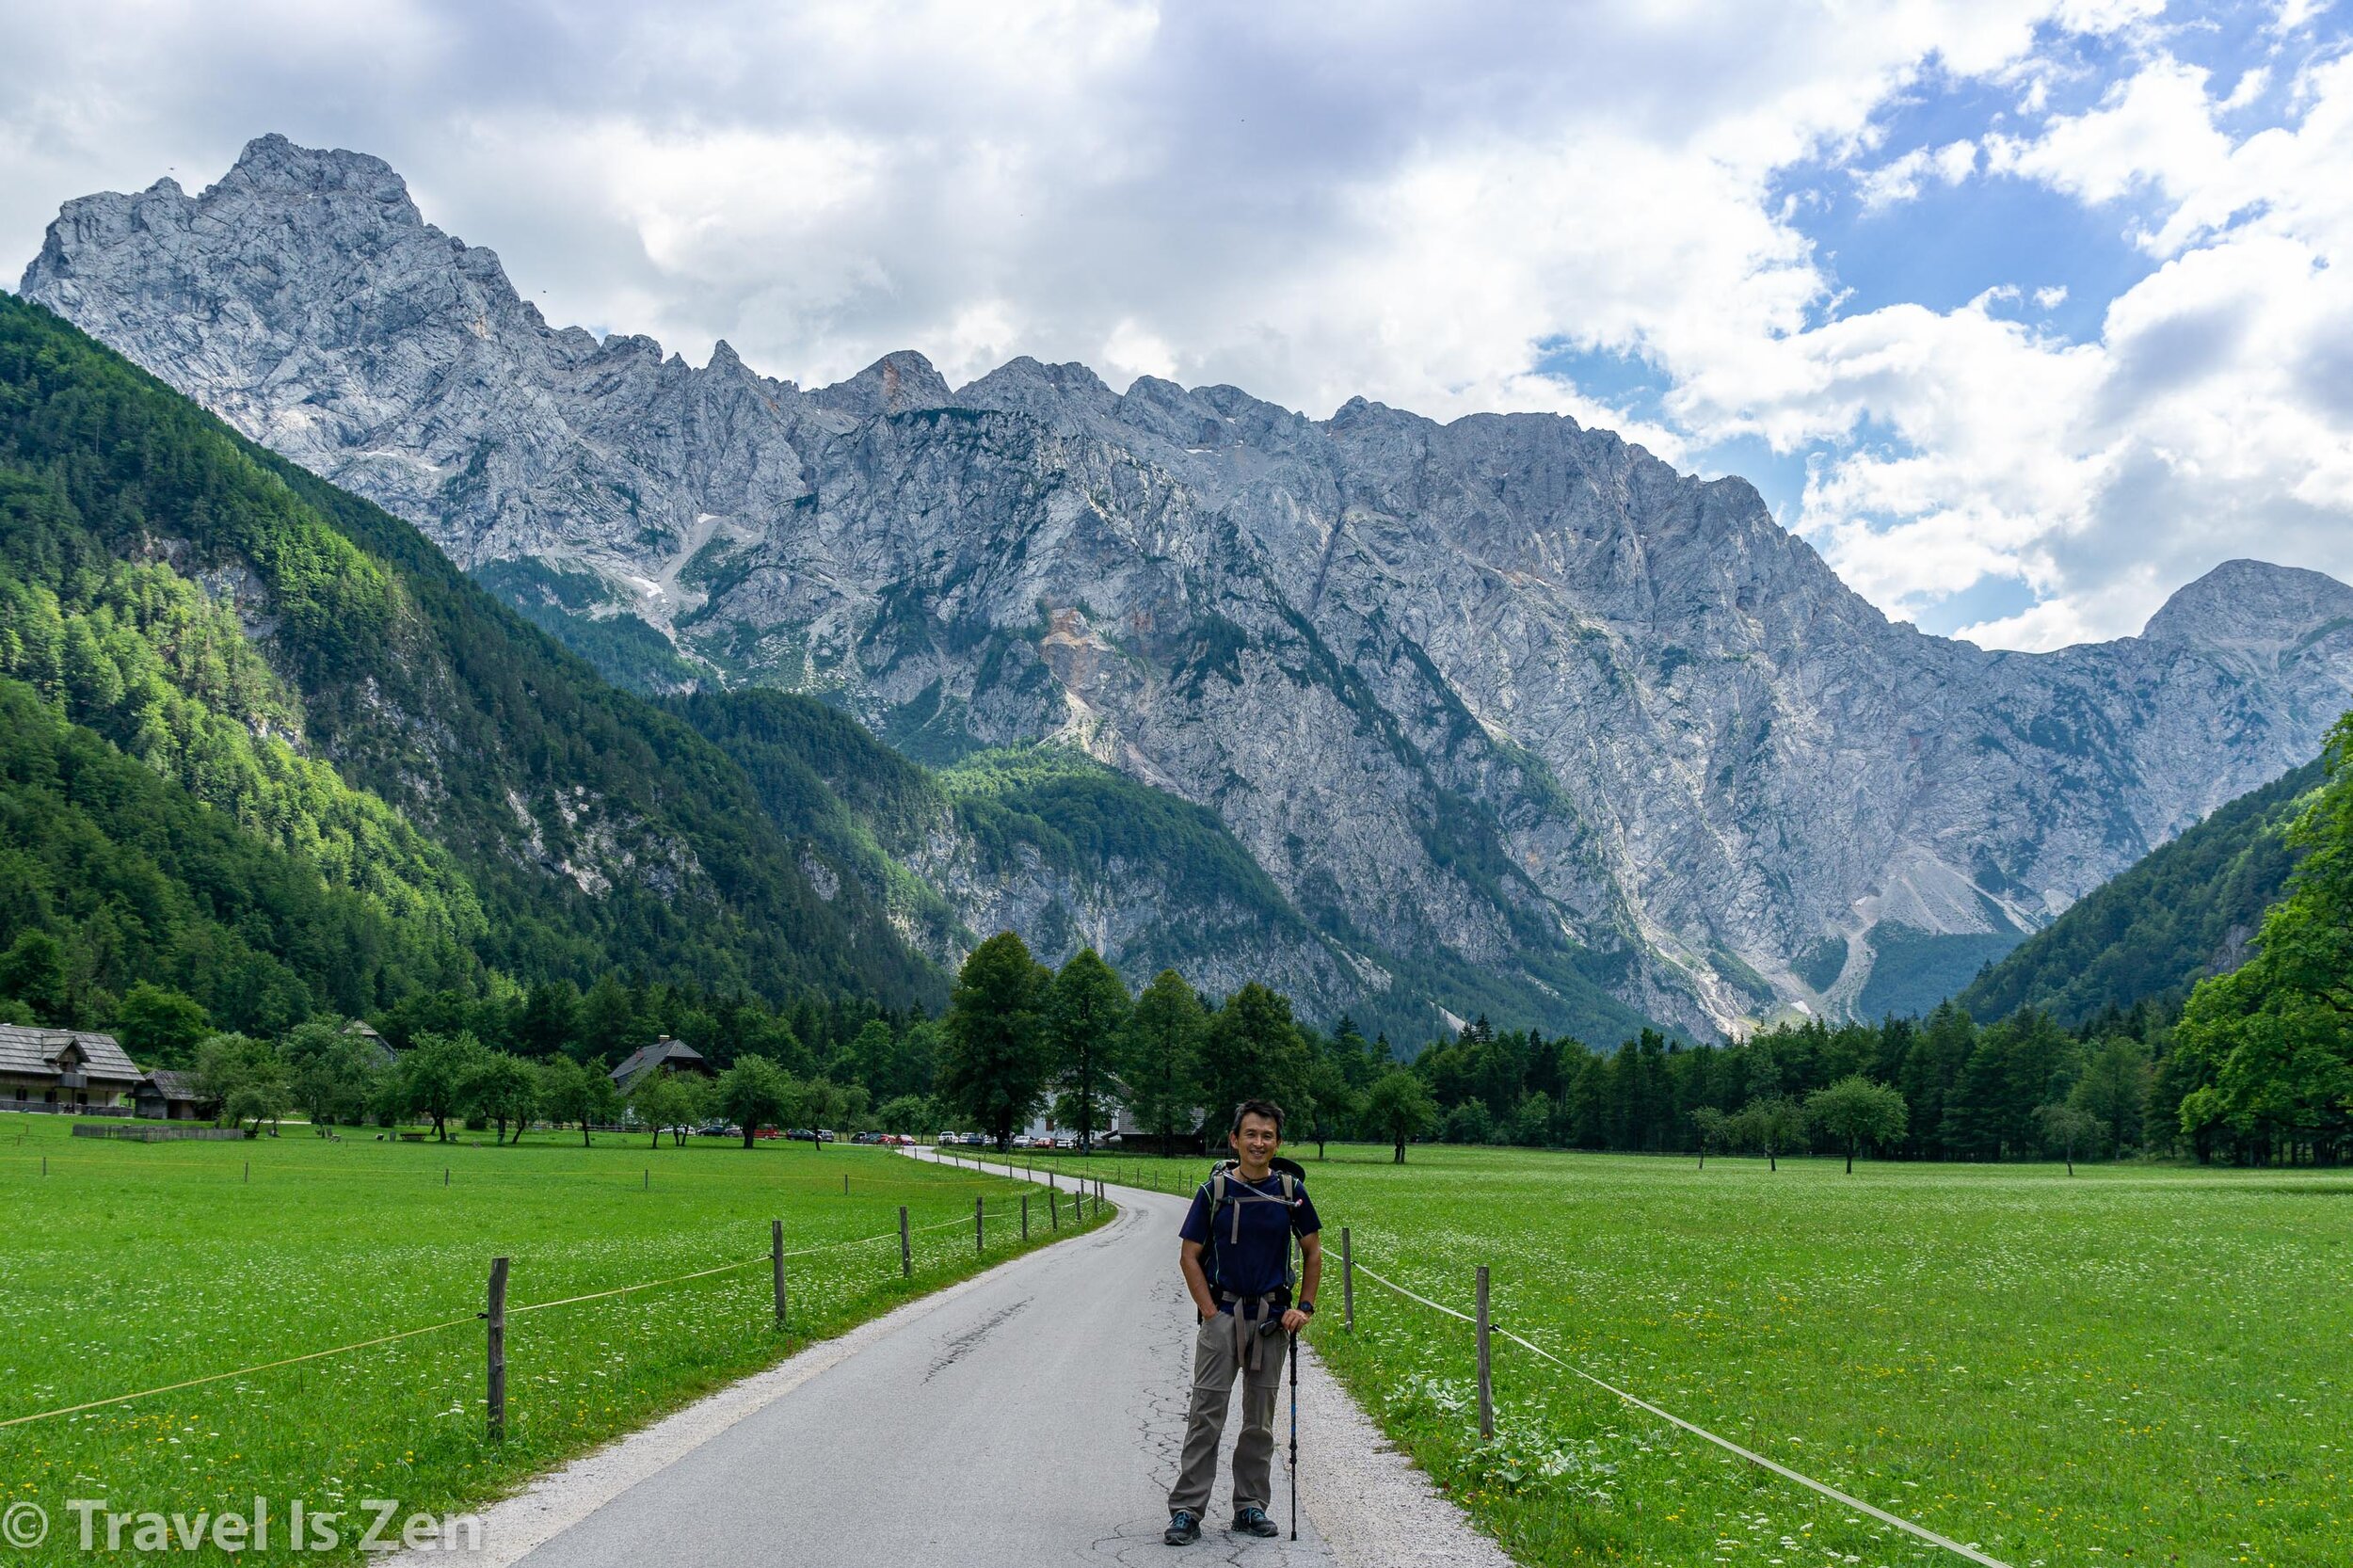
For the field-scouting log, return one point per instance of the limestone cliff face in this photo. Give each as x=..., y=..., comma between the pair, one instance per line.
x=1504, y=704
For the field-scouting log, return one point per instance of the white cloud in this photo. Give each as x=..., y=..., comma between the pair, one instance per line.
x=2154, y=133
x=2213, y=416
x=1900, y=180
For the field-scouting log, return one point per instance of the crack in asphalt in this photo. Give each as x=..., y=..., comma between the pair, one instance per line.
x=960, y=1345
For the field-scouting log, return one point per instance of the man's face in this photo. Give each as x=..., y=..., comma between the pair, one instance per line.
x=1257, y=1142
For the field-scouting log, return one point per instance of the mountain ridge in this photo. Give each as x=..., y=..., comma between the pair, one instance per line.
x=2188, y=909
x=1506, y=689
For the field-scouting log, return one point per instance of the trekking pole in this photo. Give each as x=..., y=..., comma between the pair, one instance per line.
x=1294, y=1437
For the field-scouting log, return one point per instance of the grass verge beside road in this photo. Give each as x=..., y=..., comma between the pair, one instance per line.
x=2140, y=1364
x=131, y=1266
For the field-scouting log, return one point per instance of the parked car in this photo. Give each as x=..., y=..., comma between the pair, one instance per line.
x=768, y=1132
x=802, y=1134
x=825, y=1135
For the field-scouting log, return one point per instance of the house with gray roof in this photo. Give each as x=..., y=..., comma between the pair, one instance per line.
x=664, y=1055
x=166, y=1096
x=74, y=1071
x=363, y=1032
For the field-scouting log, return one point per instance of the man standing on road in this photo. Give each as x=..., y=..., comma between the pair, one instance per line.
x=1235, y=1250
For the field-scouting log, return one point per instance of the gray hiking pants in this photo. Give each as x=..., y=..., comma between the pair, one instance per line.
x=1214, y=1364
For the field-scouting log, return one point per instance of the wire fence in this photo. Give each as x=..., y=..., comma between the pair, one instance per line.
x=109, y=1159
x=1484, y=1326
x=498, y=1311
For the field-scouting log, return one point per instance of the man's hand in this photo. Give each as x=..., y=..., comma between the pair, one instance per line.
x=1196, y=1282
x=1293, y=1320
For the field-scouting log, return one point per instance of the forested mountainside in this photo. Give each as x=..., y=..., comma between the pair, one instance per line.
x=392, y=757
x=2187, y=910
x=1501, y=708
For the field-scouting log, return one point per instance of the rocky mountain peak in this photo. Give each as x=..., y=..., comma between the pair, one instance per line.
x=1052, y=393
x=272, y=167
x=897, y=383
x=2250, y=606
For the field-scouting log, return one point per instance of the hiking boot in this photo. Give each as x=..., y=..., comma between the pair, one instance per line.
x=1253, y=1521
x=1184, y=1527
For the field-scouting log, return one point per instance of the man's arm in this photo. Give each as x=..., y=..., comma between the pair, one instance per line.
x=1196, y=1282
x=1311, y=1277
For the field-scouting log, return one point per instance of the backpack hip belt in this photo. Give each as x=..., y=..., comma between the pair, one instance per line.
x=1250, y=1333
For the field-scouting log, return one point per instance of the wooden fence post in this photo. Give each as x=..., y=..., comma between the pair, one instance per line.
x=1348, y=1284
x=906, y=1259
x=979, y=1243
x=1025, y=1216
x=775, y=1264
x=1053, y=1212
x=845, y=1184
x=496, y=1317
x=1486, y=1379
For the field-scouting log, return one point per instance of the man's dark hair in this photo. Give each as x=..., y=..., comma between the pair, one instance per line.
x=1268, y=1109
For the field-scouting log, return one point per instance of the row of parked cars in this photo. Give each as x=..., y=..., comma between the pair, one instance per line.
x=1043, y=1141
x=826, y=1135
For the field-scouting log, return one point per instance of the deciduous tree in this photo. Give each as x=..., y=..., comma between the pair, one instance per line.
x=2066, y=1128
x=1252, y=1050
x=159, y=1026
x=571, y=1093
x=661, y=1100
x=1087, y=1011
x=502, y=1088
x=1769, y=1124
x=1714, y=1130
x=1854, y=1111
x=995, y=1060
x=1164, y=1057
x=435, y=1073
x=1399, y=1106
x=755, y=1092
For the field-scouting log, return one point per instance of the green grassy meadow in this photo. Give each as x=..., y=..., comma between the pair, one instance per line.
x=2146, y=1364
x=133, y=1266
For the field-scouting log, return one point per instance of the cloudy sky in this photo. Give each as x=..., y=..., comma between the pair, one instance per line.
x=2024, y=314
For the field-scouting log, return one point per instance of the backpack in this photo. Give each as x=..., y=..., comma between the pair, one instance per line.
x=1287, y=1172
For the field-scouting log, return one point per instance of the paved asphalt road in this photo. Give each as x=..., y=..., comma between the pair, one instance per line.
x=1035, y=1418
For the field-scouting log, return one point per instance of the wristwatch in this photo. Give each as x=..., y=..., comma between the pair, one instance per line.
x=1308, y=1308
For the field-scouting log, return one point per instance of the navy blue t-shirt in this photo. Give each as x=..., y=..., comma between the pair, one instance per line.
x=1257, y=1262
